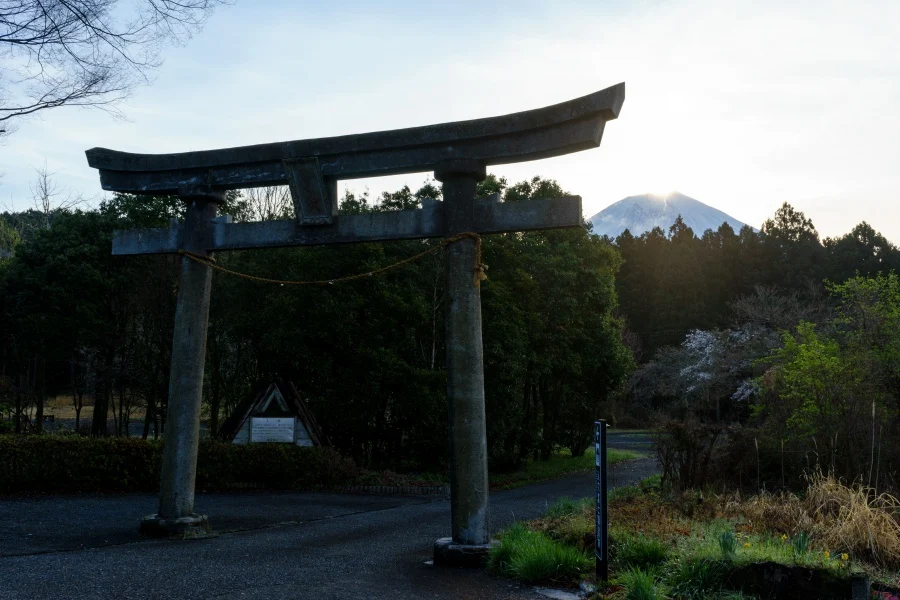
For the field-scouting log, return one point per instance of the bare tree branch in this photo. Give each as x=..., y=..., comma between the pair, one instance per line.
x=48, y=197
x=85, y=52
x=268, y=203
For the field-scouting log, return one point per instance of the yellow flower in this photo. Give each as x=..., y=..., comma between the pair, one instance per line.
x=783, y=536
x=827, y=554
x=746, y=544
x=845, y=556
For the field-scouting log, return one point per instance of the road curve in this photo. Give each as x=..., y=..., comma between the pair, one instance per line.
x=272, y=545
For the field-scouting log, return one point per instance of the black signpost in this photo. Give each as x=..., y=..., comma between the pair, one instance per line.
x=601, y=548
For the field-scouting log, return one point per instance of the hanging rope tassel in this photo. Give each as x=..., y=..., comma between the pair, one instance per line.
x=479, y=267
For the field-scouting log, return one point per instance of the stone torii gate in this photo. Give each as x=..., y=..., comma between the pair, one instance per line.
x=458, y=154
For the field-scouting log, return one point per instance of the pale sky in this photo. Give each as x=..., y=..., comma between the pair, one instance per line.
x=741, y=105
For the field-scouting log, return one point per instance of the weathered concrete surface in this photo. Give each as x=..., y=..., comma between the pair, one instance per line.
x=465, y=368
x=190, y=526
x=448, y=553
x=555, y=130
x=338, y=546
x=313, y=202
x=427, y=222
x=179, y=468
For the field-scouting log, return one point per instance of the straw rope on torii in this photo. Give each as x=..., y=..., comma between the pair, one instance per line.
x=478, y=269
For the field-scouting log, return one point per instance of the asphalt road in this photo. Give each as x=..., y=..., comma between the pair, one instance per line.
x=271, y=545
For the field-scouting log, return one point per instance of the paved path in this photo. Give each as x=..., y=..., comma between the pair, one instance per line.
x=272, y=545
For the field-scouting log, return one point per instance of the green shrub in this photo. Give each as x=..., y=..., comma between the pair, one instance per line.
x=651, y=484
x=532, y=557
x=640, y=551
x=55, y=463
x=639, y=585
x=694, y=577
x=542, y=559
x=801, y=543
x=648, y=485
x=728, y=544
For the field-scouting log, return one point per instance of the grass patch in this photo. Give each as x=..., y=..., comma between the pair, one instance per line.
x=639, y=585
x=558, y=466
x=567, y=507
x=652, y=484
x=532, y=557
x=695, y=577
x=639, y=551
x=686, y=546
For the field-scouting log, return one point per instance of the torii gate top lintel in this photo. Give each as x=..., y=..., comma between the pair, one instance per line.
x=541, y=133
x=312, y=168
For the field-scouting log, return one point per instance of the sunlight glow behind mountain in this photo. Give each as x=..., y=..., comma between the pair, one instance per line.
x=646, y=211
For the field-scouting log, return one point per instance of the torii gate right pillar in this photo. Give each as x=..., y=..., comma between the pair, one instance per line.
x=470, y=539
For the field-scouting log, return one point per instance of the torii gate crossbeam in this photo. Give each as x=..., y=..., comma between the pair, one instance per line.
x=458, y=154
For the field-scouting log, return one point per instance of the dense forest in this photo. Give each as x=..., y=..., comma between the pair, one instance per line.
x=368, y=355
x=787, y=343
x=712, y=325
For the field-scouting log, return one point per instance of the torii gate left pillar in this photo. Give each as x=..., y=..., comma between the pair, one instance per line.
x=457, y=153
x=176, y=514
x=470, y=538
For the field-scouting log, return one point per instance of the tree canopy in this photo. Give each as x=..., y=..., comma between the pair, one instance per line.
x=368, y=355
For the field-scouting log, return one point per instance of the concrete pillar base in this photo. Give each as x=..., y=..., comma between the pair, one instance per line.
x=448, y=553
x=192, y=526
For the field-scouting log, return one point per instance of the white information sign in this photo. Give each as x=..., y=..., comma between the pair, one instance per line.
x=265, y=429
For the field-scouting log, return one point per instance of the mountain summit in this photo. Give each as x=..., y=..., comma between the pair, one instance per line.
x=642, y=213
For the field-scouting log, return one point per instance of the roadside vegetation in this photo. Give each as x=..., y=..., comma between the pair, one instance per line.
x=690, y=544
x=67, y=463
x=560, y=464
x=54, y=463
x=778, y=348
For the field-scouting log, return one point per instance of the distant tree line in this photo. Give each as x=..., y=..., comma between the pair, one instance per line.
x=677, y=280
x=368, y=355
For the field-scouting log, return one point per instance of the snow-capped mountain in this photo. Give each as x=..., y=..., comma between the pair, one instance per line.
x=642, y=213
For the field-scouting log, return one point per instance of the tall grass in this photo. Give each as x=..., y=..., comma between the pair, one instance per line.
x=639, y=551
x=801, y=543
x=639, y=585
x=728, y=544
x=855, y=519
x=532, y=557
x=694, y=577
x=840, y=518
